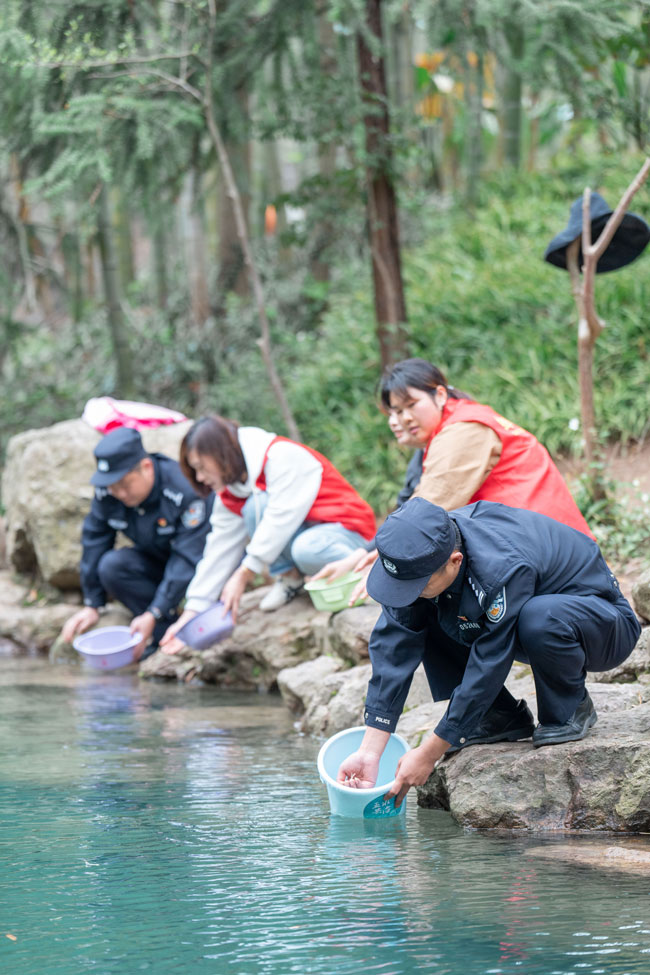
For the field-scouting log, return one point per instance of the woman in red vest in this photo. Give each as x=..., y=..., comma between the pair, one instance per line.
x=471, y=453
x=279, y=505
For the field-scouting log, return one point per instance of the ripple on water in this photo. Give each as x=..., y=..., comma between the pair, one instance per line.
x=147, y=830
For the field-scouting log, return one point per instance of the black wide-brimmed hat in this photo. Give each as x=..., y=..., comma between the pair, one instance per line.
x=625, y=246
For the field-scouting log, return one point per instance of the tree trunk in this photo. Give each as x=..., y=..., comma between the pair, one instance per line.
x=156, y=213
x=474, y=105
x=272, y=187
x=390, y=305
x=232, y=269
x=124, y=239
x=194, y=247
x=512, y=89
x=401, y=74
x=244, y=240
x=589, y=324
x=16, y=207
x=159, y=242
x=319, y=265
x=88, y=261
x=116, y=321
x=71, y=249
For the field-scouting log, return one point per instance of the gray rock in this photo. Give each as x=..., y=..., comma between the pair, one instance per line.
x=28, y=618
x=632, y=856
x=599, y=783
x=419, y=692
x=182, y=666
x=417, y=723
x=317, y=719
x=339, y=702
x=299, y=685
x=46, y=494
x=262, y=644
x=641, y=595
x=618, y=697
x=274, y=641
x=349, y=631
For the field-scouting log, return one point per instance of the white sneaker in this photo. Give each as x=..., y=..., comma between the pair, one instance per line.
x=281, y=592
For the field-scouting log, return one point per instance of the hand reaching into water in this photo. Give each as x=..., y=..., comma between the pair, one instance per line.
x=143, y=625
x=359, y=770
x=416, y=766
x=170, y=644
x=79, y=623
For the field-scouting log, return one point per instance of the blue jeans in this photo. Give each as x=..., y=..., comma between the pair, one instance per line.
x=311, y=547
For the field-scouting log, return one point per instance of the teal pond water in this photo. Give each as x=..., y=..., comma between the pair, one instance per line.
x=176, y=829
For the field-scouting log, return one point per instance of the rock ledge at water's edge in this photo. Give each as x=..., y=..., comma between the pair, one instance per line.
x=319, y=663
x=600, y=783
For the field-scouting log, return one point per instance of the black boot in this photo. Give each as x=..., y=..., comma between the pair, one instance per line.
x=572, y=730
x=500, y=724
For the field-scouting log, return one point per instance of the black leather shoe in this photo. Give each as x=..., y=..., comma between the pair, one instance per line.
x=499, y=725
x=572, y=730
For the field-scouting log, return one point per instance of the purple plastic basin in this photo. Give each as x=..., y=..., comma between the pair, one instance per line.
x=107, y=647
x=207, y=628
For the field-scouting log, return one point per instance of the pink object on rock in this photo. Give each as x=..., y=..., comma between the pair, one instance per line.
x=105, y=414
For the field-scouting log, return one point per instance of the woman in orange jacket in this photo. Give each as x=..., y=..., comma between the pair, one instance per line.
x=471, y=453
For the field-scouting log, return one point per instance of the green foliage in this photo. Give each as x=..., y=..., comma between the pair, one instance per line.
x=86, y=98
x=483, y=305
x=498, y=319
x=620, y=523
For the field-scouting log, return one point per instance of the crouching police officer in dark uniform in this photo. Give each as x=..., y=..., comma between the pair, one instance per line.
x=147, y=497
x=466, y=593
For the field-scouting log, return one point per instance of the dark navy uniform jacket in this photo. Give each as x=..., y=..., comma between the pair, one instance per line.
x=412, y=478
x=511, y=555
x=170, y=526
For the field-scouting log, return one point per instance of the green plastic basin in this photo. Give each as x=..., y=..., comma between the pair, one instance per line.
x=332, y=596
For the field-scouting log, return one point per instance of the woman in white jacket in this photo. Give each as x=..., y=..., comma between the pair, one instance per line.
x=279, y=504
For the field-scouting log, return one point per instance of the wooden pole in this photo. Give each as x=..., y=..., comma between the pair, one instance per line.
x=589, y=324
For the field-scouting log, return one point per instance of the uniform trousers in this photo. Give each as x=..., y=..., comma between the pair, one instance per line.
x=132, y=577
x=560, y=636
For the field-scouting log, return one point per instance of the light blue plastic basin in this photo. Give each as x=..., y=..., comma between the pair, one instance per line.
x=207, y=628
x=107, y=647
x=360, y=803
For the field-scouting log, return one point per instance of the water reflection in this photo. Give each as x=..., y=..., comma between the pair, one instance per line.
x=172, y=829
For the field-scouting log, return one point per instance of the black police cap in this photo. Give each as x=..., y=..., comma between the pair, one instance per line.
x=117, y=453
x=413, y=543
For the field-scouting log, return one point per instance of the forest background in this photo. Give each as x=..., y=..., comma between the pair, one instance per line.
x=252, y=206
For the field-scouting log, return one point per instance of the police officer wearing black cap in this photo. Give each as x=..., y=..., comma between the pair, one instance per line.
x=466, y=593
x=147, y=497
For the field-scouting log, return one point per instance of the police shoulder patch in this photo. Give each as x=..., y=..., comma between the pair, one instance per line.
x=497, y=608
x=194, y=514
